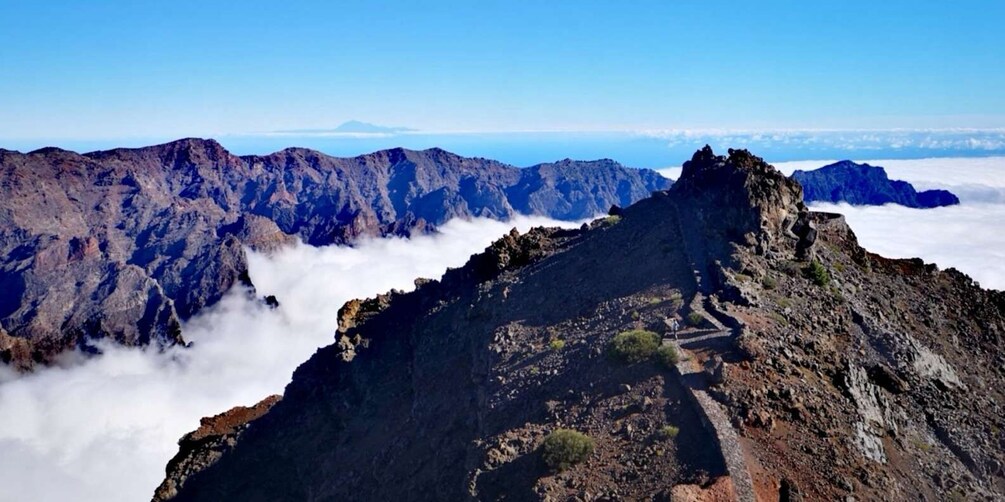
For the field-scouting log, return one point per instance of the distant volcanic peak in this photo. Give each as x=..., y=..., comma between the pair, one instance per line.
x=864, y=184
x=360, y=127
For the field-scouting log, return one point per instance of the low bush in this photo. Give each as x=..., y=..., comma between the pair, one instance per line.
x=695, y=319
x=635, y=346
x=769, y=282
x=667, y=355
x=556, y=344
x=669, y=432
x=565, y=448
x=818, y=273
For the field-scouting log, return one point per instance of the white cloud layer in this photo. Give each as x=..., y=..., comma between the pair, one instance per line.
x=103, y=429
x=962, y=140
x=968, y=237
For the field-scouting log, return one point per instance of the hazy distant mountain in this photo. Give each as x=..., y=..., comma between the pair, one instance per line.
x=125, y=243
x=816, y=371
x=353, y=127
x=863, y=184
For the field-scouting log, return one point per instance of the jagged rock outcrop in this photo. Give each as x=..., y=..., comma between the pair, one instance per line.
x=124, y=244
x=875, y=378
x=863, y=184
x=215, y=436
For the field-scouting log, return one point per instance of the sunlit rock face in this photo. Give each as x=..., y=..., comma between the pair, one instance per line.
x=124, y=244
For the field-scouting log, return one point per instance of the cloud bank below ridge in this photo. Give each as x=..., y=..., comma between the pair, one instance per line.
x=103, y=429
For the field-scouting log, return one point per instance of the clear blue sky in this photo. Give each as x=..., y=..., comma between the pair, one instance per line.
x=177, y=68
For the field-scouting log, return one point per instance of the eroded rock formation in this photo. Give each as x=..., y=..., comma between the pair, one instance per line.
x=124, y=244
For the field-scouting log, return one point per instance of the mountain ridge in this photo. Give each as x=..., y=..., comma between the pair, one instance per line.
x=126, y=243
x=864, y=184
x=843, y=373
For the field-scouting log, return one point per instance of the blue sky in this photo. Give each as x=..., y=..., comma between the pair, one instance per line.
x=118, y=69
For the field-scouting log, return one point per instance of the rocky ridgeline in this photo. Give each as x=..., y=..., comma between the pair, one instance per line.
x=203, y=447
x=842, y=373
x=863, y=184
x=124, y=244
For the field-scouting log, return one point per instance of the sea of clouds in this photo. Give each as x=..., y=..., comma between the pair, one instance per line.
x=969, y=237
x=104, y=428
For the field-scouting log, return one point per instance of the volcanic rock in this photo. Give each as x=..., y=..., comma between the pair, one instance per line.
x=452, y=388
x=863, y=184
x=125, y=244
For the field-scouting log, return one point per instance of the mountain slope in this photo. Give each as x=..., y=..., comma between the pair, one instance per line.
x=123, y=244
x=862, y=184
x=816, y=370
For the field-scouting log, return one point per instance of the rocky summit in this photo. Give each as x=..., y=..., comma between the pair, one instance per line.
x=716, y=341
x=863, y=184
x=125, y=244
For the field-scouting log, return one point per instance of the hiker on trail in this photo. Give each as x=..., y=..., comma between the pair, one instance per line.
x=674, y=327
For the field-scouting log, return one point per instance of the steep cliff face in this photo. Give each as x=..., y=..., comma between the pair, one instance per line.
x=863, y=184
x=815, y=369
x=123, y=244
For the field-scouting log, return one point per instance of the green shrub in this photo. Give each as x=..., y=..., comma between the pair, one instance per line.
x=669, y=432
x=565, y=448
x=818, y=273
x=667, y=355
x=769, y=282
x=635, y=346
x=695, y=319
x=556, y=344
x=779, y=318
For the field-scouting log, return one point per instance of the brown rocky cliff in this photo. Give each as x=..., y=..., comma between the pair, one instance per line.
x=203, y=447
x=126, y=243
